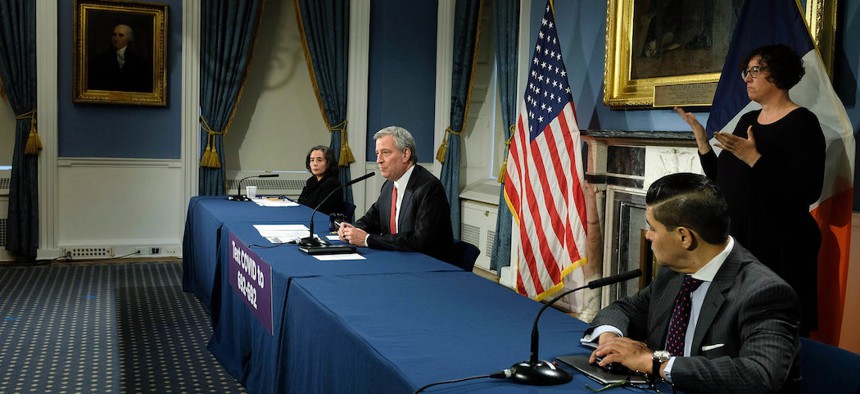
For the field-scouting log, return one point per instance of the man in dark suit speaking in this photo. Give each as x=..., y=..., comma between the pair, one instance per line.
x=119, y=68
x=412, y=213
x=715, y=319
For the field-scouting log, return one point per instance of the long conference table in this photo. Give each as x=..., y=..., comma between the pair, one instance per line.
x=390, y=323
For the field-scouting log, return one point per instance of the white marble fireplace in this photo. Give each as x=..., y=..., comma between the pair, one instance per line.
x=622, y=164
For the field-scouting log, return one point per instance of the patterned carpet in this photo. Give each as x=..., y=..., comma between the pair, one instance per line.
x=104, y=328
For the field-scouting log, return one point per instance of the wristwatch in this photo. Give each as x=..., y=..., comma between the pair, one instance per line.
x=657, y=359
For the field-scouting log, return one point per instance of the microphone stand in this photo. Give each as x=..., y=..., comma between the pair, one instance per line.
x=311, y=240
x=241, y=197
x=536, y=372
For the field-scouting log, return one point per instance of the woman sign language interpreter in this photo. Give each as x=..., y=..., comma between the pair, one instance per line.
x=771, y=170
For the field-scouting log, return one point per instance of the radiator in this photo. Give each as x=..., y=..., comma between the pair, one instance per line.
x=288, y=183
x=5, y=180
x=478, y=212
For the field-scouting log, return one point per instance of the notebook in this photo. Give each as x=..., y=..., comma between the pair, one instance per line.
x=598, y=373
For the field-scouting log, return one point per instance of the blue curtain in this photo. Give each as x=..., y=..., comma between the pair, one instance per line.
x=18, y=73
x=507, y=13
x=467, y=21
x=325, y=33
x=228, y=31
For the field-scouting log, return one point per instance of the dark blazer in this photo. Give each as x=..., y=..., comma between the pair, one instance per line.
x=315, y=191
x=425, y=218
x=134, y=76
x=748, y=309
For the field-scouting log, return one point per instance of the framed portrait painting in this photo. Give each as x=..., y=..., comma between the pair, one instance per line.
x=662, y=53
x=120, y=52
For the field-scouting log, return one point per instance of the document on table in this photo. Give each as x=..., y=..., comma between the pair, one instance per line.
x=335, y=257
x=274, y=202
x=282, y=233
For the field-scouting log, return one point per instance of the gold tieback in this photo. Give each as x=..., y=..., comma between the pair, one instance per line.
x=346, y=155
x=210, y=157
x=34, y=143
x=443, y=149
x=503, y=172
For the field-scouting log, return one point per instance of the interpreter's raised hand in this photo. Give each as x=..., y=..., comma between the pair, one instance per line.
x=743, y=148
x=698, y=130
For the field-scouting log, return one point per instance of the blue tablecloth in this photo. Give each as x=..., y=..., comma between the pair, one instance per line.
x=395, y=333
x=203, y=233
x=242, y=345
x=391, y=323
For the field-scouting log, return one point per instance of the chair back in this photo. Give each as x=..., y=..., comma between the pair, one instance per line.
x=828, y=369
x=348, y=210
x=465, y=254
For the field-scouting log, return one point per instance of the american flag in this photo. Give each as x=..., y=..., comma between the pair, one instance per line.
x=544, y=186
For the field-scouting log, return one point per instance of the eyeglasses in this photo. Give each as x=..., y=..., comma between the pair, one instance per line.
x=753, y=71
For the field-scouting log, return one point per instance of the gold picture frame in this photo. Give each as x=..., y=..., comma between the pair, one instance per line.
x=636, y=73
x=120, y=53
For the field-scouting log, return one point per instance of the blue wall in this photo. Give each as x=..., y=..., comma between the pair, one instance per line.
x=120, y=131
x=582, y=31
x=402, y=81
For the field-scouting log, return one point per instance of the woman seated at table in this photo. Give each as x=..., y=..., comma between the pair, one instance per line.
x=323, y=167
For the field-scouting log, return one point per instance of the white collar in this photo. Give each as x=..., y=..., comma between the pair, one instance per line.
x=401, y=183
x=709, y=271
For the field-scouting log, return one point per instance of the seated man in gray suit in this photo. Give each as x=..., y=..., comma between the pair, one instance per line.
x=412, y=213
x=717, y=320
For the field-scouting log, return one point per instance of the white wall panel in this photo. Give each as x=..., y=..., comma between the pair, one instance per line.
x=122, y=203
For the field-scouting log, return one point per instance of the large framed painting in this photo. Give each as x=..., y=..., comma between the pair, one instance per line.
x=120, y=52
x=662, y=53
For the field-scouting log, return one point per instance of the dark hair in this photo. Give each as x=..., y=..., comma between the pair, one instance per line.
x=784, y=65
x=692, y=201
x=329, y=159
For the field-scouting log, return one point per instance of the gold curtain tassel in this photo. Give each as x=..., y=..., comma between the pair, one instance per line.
x=346, y=156
x=210, y=157
x=443, y=149
x=34, y=143
x=204, y=160
x=503, y=172
x=214, y=160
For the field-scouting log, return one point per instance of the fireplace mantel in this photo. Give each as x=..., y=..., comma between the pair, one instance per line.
x=622, y=164
x=637, y=158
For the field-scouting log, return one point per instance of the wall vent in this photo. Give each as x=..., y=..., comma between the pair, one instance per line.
x=3, y=222
x=288, y=184
x=477, y=227
x=5, y=183
x=471, y=234
x=488, y=244
x=90, y=251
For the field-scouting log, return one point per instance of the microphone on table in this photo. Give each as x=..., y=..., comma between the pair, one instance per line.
x=241, y=197
x=310, y=240
x=536, y=372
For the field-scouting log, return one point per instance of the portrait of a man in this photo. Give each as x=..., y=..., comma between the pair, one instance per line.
x=120, y=52
x=121, y=66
